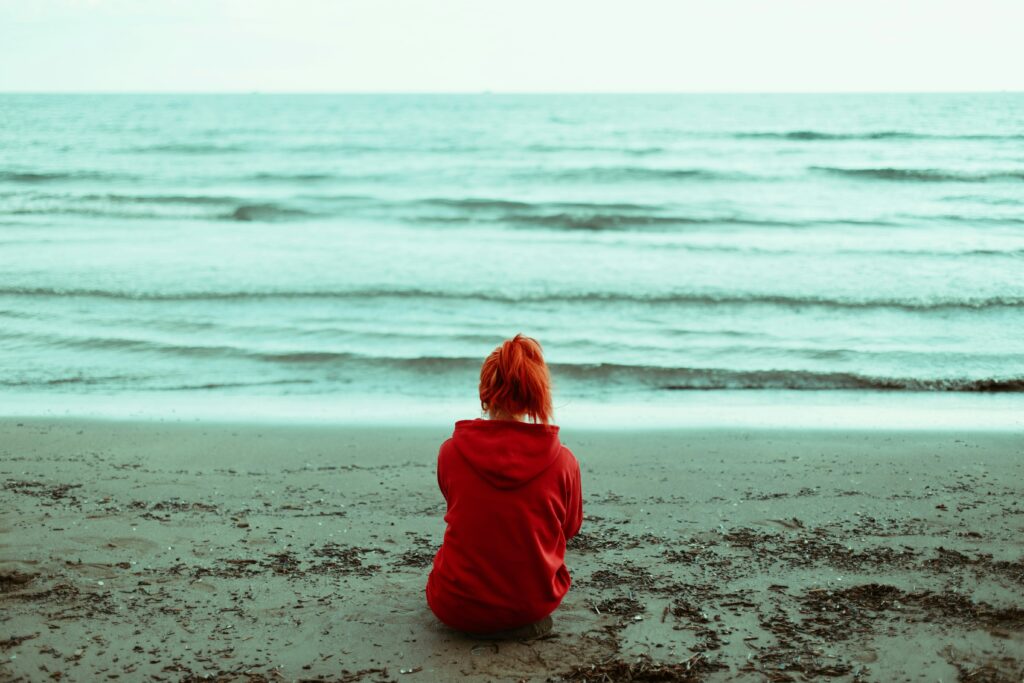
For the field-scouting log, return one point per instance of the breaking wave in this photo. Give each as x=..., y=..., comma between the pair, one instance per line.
x=679, y=298
x=266, y=212
x=636, y=173
x=56, y=176
x=812, y=135
x=702, y=380
x=192, y=148
x=919, y=175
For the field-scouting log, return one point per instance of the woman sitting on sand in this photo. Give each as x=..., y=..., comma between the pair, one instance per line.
x=514, y=499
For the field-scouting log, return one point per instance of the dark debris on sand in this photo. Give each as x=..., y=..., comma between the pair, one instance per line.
x=643, y=669
x=341, y=559
x=838, y=614
x=622, y=606
x=793, y=653
x=248, y=675
x=805, y=632
x=984, y=668
x=13, y=580
x=332, y=558
x=39, y=489
x=420, y=555
x=594, y=541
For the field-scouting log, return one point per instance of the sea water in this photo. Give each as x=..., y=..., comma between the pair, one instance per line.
x=333, y=252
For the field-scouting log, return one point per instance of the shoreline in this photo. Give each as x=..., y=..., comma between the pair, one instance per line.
x=254, y=551
x=666, y=410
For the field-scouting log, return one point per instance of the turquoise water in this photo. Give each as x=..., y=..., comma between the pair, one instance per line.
x=323, y=247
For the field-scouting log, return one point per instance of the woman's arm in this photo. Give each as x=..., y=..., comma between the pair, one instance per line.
x=441, y=479
x=574, y=503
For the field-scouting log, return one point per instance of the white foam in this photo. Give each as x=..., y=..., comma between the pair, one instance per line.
x=718, y=409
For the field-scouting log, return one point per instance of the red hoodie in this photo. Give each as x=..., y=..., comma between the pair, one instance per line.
x=514, y=499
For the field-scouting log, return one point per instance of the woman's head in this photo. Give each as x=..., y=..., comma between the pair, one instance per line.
x=514, y=381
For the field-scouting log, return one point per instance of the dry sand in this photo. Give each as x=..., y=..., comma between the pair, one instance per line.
x=167, y=551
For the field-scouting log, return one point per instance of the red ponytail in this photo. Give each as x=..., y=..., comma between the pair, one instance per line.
x=514, y=379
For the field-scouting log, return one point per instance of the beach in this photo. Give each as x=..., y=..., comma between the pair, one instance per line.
x=251, y=551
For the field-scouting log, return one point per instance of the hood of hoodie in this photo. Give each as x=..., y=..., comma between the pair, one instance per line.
x=506, y=453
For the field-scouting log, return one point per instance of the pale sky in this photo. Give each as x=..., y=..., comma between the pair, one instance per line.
x=511, y=45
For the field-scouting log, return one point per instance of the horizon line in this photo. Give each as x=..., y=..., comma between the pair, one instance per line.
x=512, y=92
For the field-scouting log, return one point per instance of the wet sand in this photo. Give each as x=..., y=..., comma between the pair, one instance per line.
x=192, y=551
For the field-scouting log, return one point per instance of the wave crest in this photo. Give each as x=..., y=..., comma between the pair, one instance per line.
x=191, y=148
x=266, y=213
x=704, y=380
x=813, y=135
x=199, y=200
x=919, y=175
x=638, y=174
x=655, y=298
x=55, y=176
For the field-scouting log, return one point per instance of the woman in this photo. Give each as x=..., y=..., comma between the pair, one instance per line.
x=514, y=499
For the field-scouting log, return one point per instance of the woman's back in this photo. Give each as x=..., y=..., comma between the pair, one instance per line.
x=514, y=499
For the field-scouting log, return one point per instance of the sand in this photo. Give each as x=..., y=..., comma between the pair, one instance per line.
x=178, y=551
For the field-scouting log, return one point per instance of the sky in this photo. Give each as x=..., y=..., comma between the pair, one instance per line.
x=511, y=46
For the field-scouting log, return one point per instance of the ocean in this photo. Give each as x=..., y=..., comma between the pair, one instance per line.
x=334, y=252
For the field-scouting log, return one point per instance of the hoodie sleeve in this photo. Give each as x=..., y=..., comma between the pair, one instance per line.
x=574, y=502
x=440, y=472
